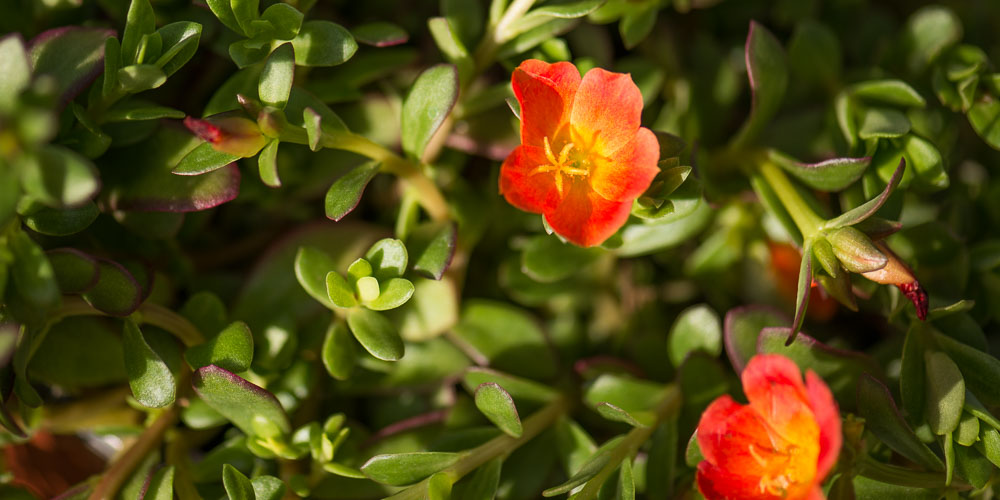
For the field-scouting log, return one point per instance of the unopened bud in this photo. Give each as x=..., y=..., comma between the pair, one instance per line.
x=232, y=134
x=895, y=272
x=855, y=250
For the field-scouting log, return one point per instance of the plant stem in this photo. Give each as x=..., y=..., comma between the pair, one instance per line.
x=113, y=479
x=427, y=193
x=667, y=407
x=497, y=36
x=498, y=446
x=148, y=313
x=805, y=218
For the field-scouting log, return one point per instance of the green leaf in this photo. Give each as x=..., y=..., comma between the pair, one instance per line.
x=882, y=123
x=345, y=194
x=636, y=25
x=338, y=354
x=481, y=484
x=814, y=53
x=870, y=488
x=180, y=42
x=828, y=175
x=742, y=327
x=980, y=370
x=32, y=272
x=626, y=481
x=499, y=408
x=138, y=110
x=251, y=408
x=855, y=250
x=117, y=292
x=547, y=259
x=912, y=380
x=697, y=329
x=339, y=291
x=72, y=55
x=323, y=43
x=973, y=466
x=401, y=469
x=15, y=67
x=430, y=100
x=152, y=382
x=60, y=177
x=882, y=418
x=388, y=258
x=432, y=245
x=206, y=311
x=984, y=116
x=451, y=46
x=989, y=444
x=160, y=486
x=231, y=349
x=380, y=34
x=517, y=387
x=203, y=159
x=928, y=32
x=616, y=414
x=268, y=487
x=140, y=77
x=626, y=393
x=945, y=393
x=570, y=10
x=465, y=18
x=376, y=334
x=139, y=21
x=312, y=266
x=267, y=164
x=238, y=487
x=967, y=432
x=588, y=470
x=74, y=270
x=246, y=12
x=661, y=465
x=869, y=208
x=439, y=487
x=393, y=294
x=287, y=20
x=276, y=80
x=767, y=71
x=507, y=336
x=892, y=92
x=223, y=10
x=924, y=157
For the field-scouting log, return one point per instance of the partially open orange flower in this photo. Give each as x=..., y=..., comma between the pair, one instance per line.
x=780, y=446
x=896, y=272
x=229, y=134
x=583, y=157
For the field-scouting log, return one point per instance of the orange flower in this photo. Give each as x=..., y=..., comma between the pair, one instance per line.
x=780, y=446
x=583, y=157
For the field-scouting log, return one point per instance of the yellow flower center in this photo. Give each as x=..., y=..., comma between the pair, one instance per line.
x=563, y=164
x=784, y=472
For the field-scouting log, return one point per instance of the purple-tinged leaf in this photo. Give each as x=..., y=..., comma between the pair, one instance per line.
x=767, y=71
x=345, y=194
x=116, y=292
x=380, y=34
x=802, y=291
x=882, y=418
x=73, y=55
x=741, y=328
x=76, y=272
x=253, y=409
x=868, y=209
x=154, y=188
x=828, y=175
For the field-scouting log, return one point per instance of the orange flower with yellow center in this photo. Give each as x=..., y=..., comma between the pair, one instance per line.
x=583, y=156
x=780, y=446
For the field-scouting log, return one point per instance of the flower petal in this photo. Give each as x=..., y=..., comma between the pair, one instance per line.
x=628, y=173
x=828, y=417
x=773, y=385
x=584, y=217
x=607, y=111
x=546, y=93
x=535, y=193
x=718, y=483
x=727, y=431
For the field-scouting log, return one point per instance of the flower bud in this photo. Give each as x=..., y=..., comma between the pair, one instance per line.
x=855, y=250
x=231, y=134
x=895, y=272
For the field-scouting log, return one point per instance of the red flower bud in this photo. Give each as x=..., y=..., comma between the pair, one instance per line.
x=898, y=273
x=231, y=134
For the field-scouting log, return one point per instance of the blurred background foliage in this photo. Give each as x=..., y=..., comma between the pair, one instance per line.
x=163, y=332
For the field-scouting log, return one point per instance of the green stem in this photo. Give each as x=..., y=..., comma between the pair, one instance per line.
x=122, y=468
x=498, y=446
x=427, y=193
x=496, y=35
x=805, y=218
x=628, y=447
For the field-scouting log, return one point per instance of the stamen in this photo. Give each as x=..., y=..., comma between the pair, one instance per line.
x=561, y=165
